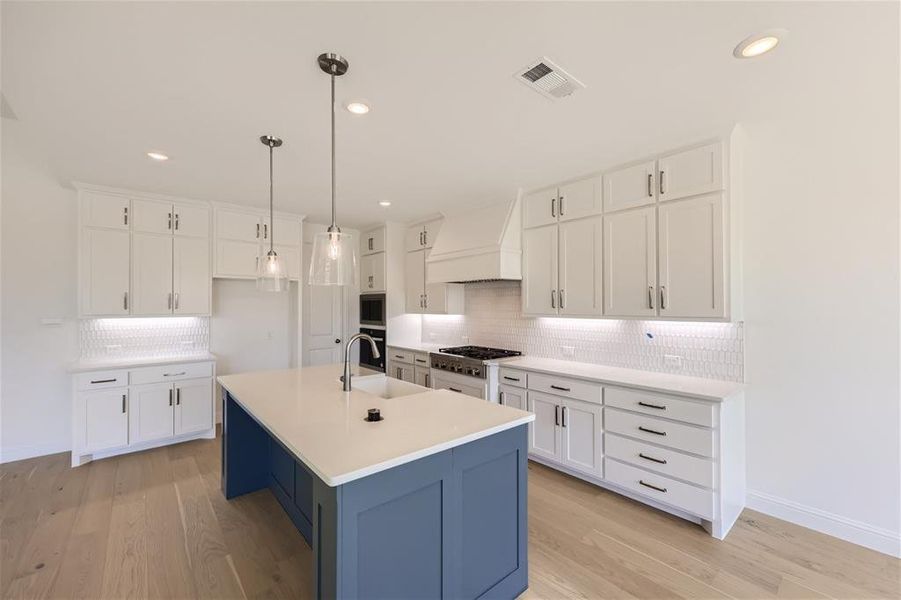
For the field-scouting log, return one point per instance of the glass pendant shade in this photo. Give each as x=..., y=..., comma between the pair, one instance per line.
x=272, y=276
x=334, y=259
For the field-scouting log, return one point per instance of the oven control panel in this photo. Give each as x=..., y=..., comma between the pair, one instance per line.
x=458, y=364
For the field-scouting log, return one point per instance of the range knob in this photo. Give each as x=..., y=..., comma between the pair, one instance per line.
x=475, y=371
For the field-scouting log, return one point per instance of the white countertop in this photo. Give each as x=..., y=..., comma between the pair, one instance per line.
x=708, y=389
x=82, y=365
x=325, y=428
x=417, y=346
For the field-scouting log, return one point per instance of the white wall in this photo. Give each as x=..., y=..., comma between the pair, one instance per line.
x=38, y=282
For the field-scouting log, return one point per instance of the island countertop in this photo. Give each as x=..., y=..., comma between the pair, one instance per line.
x=325, y=428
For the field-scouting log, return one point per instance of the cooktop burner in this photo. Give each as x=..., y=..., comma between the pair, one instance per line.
x=479, y=352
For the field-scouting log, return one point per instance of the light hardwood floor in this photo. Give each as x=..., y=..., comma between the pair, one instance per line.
x=154, y=525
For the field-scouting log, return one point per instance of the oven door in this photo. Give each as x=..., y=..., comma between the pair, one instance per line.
x=366, y=358
x=372, y=309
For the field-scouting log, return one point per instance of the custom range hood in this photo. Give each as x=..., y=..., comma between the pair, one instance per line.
x=478, y=245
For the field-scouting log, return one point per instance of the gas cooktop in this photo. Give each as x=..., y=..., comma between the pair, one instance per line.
x=479, y=352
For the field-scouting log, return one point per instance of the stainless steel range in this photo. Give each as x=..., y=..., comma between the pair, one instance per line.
x=470, y=370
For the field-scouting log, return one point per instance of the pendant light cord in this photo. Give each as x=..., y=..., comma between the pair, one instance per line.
x=271, y=219
x=334, y=218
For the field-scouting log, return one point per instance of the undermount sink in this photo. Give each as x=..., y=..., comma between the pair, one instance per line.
x=386, y=387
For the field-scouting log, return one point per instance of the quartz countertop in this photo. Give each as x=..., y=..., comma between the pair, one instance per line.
x=83, y=365
x=325, y=428
x=697, y=387
x=417, y=346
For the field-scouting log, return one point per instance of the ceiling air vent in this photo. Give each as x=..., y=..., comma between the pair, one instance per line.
x=548, y=79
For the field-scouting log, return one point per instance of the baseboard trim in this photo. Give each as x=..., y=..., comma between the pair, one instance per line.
x=856, y=532
x=22, y=452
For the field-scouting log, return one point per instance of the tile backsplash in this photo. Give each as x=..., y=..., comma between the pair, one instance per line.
x=493, y=318
x=143, y=337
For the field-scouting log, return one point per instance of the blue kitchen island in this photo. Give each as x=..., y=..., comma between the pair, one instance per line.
x=429, y=502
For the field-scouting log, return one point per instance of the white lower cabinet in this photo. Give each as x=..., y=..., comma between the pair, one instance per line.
x=567, y=431
x=104, y=423
x=401, y=371
x=512, y=396
x=422, y=376
x=544, y=432
x=193, y=409
x=151, y=414
x=448, y=382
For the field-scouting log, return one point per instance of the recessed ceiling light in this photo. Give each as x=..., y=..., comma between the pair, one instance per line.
x=384, y=203
x=358, y=108
x=157, y=156
x=759, y=43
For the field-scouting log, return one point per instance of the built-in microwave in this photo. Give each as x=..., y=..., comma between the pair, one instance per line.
x=372, y=309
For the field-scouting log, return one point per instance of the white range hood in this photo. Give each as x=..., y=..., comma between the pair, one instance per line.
x=478, y=245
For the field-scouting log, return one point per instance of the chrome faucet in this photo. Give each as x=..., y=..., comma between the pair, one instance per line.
x=353, y=338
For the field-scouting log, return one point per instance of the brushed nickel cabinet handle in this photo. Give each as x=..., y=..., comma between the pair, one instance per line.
x=178, y=396
x=653, y=487
x=553, y=209
x=652, y=459
x=425, y=237
x=176, y=221
x=176, y=300
x=557, y=415
x=170, y=396
x=125, y=215
x=398, y=356
x=500, y=398
x=654, y=431
x=170, y=222
x=508, y=378
x=651, y=296
x=560, y=388
x=427, y=382
x=265, y=231
x=102, y=381
x=662, y=297
x=258, y=231
x=564, y=416
x=662, y=190
x=125, y=301
x=453, y=389
x=169, y=301
x=562, y=297
x=657, y=406
x=553, y=298
x=650, y=185
x=561, y=204
x=123, y=403
x=174, y=374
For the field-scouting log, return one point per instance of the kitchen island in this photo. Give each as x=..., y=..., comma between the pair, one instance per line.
x=429, y=502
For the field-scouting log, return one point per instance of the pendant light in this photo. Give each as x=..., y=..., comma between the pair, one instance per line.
x=334, y=252
x=272, y=276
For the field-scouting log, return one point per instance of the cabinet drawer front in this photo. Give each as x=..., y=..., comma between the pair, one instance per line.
x=660, y=431
x=569, y=388
x=167, y=373
x=661, y=405
x=512, y=377
x=689, y=498
x=98, y=380
x=662, y=460
x=441, y=383
x=421, y=360
x=402, y=356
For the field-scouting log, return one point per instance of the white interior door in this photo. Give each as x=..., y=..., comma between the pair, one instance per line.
x=150, y=416
x=414, y=280
x=539, y=270
x=191, y=276
x=630, y=263
x=191, y=220
x=630, y=187
x=580, y=199
x=193, y=405
x=580, y=426
x=151, y=274
x=105, y=272
x=691, y=257
x=691, y=172
x=544, y=432
x=106, y=419
x=323, y=310
x=152, y=216
x=539, y=208
x=580, y=267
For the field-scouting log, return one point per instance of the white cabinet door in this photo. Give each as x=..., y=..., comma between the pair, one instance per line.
x=512, y=396
x=539, y=271
x=580, y=426
x=539, y=208
x=421, y=376
x=105, y=419
x=445, y=383
x=150, y=416
x=579, y=199
x=630, y=187
x=151, y=260
x=238, y=225
x=191, y=220
x=580, y=283
x=236, y=259
x=105, y=272
x=691, y=257
x=372, y=273
x=191, y=276
x=544, y=433
x=630, y=263
x=691, y=172
x=291, y=256
x=287, y=231
x=415, y=239
x=104, y=210
x=414, y=280
x=152, y=216
x=401, y=371
x=430, y=232
x=193, y=405
x=373, y=241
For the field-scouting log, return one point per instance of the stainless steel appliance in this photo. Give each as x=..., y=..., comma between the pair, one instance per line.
x=468, y=360
x=372, y=310
x=366, y=355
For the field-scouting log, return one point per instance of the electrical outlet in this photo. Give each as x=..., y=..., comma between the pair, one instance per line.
x=672, y=361
x=568, y=351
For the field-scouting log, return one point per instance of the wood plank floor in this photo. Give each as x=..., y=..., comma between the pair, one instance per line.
x=154, y=525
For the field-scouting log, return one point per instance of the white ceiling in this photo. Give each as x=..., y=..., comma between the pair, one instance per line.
x=99, y=84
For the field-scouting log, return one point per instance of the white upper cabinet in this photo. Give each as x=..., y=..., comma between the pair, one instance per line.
x=104, y=210
x=539, y=208
x=287, y=231
x=422, y=235
x=238, y=225
x=191, y=276
x=373, y=241
x=236, y=259
x=579, y=199
x=105, y=272
x=630, y=187
x=152, y=216
x=580, y=281
x=539, y=265
x=241, y=236
x=442, y=298
x=414, y=277
x=372, y=273
x=691, y=257
x=630, y=263
x=691, y=172
x=190, y=220
x=151, y=274
x=291, y=256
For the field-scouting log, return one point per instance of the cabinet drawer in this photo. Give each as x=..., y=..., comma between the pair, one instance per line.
x=661, y=405
x=166, y=373
x=569, y=388
x=689, y=438
x=689, y=498
x=421, y=359
x=98, y=380
x=663, y=460
x=440, y=383
x=512, y=377
x=402, y=356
